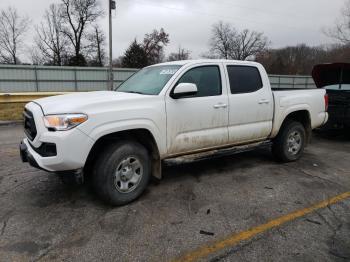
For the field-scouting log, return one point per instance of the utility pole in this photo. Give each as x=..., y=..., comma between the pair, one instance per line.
x=111, y=6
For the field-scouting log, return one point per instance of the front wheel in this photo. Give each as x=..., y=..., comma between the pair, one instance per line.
x=122, y=172
x=290, y=142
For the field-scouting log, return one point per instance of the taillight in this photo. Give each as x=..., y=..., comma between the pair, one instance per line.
x=326, y=102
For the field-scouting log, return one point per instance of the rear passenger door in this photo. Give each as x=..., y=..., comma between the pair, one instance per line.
x=251, y=104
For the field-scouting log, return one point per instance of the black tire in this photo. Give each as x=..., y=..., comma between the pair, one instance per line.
x=281, y=148
x=105, y=168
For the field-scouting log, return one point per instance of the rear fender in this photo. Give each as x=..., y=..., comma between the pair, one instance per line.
x=279, y=120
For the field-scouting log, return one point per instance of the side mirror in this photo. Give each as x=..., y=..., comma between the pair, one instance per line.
x=184, y=90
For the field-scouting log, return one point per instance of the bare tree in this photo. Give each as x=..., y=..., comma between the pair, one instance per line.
x=221, y=42
x=117, y=62
x=36, y=56
x=226, y=42
x=153, y=44
x=248, y=44
x=97, y=41
x=300, y=59
x=181, y=54
x=50, y=40
x=78, y=15
x=12, y=30
x=341, y=30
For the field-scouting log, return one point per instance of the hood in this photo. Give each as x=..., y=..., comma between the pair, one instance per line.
x=82, y=102
x=331, y=74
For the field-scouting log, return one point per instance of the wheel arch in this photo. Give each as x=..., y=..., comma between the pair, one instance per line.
x=140, y=135
x=302, y=116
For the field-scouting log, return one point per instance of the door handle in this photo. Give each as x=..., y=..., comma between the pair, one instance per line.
x=264, y=101
x=220, y=105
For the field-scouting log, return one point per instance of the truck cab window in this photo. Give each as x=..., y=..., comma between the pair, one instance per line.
x=244, y=79
x=207, y=79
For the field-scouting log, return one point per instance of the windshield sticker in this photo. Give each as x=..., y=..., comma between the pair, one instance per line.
x=168, y=71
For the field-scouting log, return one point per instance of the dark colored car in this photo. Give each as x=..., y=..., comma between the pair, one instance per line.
x=335, y=78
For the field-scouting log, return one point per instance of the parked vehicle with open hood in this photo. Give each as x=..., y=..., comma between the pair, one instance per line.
x=335, y=78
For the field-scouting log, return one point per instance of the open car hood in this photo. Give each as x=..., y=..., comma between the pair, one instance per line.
x=331, y=74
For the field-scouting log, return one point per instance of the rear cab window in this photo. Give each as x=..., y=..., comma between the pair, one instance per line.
x=244, y=79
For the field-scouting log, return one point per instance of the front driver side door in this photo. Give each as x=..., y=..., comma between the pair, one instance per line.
x=200, y=121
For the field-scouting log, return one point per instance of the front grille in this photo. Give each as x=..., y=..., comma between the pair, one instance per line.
x=29, y=124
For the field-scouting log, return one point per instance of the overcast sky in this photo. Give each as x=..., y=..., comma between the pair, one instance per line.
x=189, y=21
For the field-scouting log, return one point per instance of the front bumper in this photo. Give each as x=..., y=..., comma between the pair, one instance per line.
x=26, y=156
x=72, y=151
x=72, y=146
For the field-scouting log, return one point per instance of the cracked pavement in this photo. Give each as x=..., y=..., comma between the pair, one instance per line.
x=41, y=219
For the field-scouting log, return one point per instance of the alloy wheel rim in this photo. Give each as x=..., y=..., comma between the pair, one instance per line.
x=294, y=142
x=128, y=174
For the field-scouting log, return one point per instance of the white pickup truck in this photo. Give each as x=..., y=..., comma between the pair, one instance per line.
x=120, y=138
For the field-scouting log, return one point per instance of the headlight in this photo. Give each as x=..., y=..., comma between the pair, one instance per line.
x=64, y=122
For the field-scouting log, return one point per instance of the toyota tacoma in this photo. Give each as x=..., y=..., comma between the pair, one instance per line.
x=120, y=138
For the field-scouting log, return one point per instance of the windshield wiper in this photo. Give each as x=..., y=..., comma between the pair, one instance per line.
x=132, y=92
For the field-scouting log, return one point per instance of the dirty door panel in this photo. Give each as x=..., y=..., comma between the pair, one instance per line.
x=251, y=105
x=199, y=121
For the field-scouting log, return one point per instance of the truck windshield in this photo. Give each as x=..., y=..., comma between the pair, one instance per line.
x=149, y=81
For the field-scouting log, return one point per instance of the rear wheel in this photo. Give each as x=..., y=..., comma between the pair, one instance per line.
x=122, y=172
x=290, y=142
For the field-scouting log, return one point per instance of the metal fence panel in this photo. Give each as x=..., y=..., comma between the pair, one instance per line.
x=11, y=72
x=91, y=75
x=289, y=81
x=54, y=74
x=91, y=86
x=16, y=87
x=69, y=79
x=55, y=86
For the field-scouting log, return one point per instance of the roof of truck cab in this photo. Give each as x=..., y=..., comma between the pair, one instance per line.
x=198, y=61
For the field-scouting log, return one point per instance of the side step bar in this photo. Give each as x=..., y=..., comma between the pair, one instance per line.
x=217, y=153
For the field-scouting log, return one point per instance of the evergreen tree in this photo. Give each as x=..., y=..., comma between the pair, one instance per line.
x=135, y=56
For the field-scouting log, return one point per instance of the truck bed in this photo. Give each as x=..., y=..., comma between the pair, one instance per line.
x=287, y=101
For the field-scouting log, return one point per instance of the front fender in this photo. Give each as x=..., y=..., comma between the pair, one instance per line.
x=124, y=125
